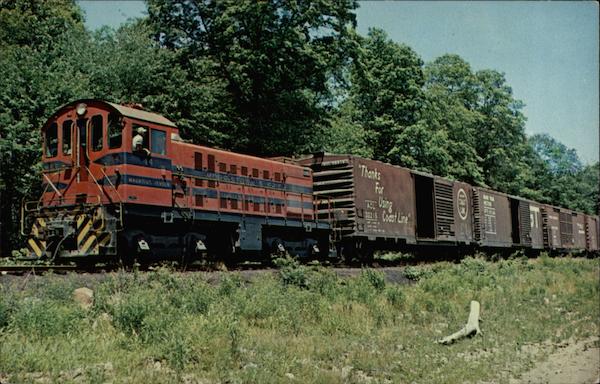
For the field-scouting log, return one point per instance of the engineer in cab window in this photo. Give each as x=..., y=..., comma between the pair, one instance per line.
x=140, y=143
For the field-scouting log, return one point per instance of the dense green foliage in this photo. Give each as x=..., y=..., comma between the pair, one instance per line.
x=304, y=323
x=273, y=78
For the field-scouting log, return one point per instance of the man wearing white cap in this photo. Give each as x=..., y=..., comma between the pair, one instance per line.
x=138, y=141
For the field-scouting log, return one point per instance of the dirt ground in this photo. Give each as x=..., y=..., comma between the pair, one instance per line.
x=569, y=363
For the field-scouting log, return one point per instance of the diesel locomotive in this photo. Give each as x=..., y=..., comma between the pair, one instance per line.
x=120, y=182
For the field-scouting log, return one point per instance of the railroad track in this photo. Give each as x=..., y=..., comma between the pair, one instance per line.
x=23, y=268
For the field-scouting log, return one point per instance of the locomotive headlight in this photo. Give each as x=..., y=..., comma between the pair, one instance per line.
x=81, y=109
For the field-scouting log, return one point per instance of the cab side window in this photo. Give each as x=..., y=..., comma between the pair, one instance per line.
x=67, y=128
x=158, y=142
x=115, y=131
x=52, y=140
x=97, y=138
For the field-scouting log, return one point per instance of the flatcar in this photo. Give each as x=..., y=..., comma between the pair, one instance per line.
x=120, y=182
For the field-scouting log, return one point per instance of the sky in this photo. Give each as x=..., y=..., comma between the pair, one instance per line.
x=548, y=51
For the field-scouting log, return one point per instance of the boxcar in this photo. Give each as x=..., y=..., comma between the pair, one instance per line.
x=443, y=209
x=492, y=218
x=591, y=229
x=367, y=201
x=537, y=228
x=579, y=235
x=551, y=227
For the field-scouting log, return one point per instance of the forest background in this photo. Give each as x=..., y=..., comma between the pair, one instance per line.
x=279, y=77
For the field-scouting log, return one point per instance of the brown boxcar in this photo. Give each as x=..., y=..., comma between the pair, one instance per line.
x=551, y=227
x=364, y=198
x=520, y=212
x=443, y=209
x=537, y=229
x=591, y=230
x=492, y=218
x=579, y=238
x=567, y=240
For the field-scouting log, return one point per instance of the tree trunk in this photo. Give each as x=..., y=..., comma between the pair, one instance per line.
x=470, y=329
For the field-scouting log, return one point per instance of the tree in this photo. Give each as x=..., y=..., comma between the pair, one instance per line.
x=561, y=178
x=345, y=135
x=275, y=57
x=451, y=96
x=127, y=65
x=32, y=36
x=500, y=137
x=386, y=90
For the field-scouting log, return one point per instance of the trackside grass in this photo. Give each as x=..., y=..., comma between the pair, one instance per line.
x=302, y=324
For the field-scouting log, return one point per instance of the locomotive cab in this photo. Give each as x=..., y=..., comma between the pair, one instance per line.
x=87, y=153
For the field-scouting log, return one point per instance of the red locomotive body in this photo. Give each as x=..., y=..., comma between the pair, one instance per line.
x=120, y=176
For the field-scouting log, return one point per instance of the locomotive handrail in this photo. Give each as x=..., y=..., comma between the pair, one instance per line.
x=111, y=184
x=28, y=205
x=52, y=184
x=98, y=185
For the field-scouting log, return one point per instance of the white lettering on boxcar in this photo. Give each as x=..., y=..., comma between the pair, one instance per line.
x=372, y=174
x=462, y=204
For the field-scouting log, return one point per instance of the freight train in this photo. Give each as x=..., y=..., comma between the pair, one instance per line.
x=120, y=182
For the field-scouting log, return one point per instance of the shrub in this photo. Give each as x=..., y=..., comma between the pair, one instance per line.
x=129, y=314
x=4, y=312
x=375, y=278
x=229, y=284
x=395, y=297
x=291, y=271
x=474, y=264
x=47, y=318
x=416, y=273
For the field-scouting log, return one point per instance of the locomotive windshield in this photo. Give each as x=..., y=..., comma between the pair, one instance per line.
x=52, y=140
x=96, y=132
x=115, y=131
x=67, y=127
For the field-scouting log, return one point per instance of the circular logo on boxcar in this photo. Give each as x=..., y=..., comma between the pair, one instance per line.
x=462, y=204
